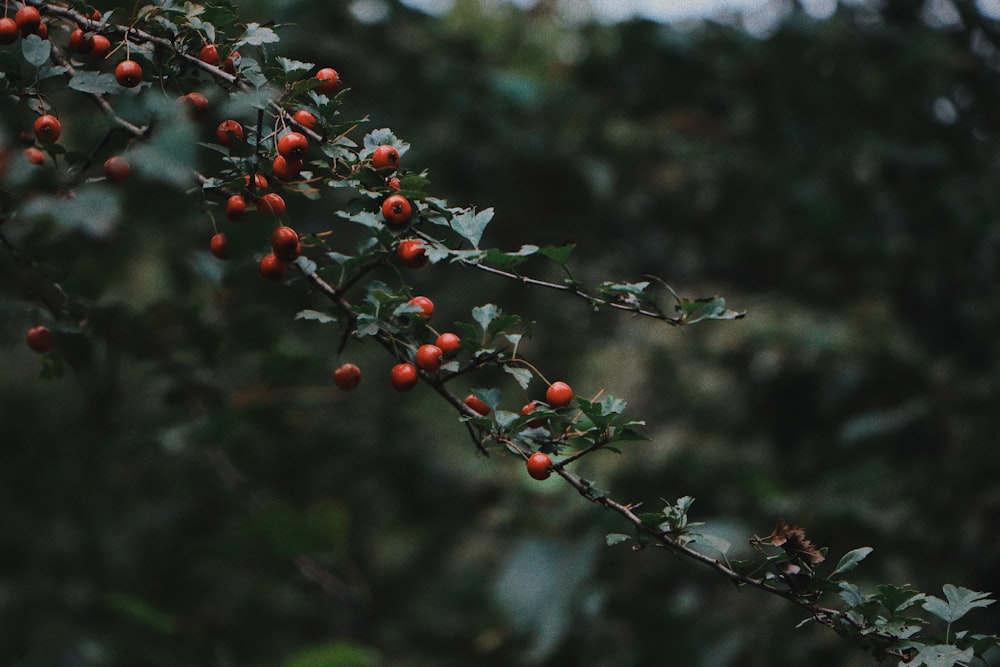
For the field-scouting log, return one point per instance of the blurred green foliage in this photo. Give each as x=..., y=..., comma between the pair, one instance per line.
x=192, y=489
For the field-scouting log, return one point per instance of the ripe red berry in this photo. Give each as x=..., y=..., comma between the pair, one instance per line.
x=79, y=41
x=235, y=206
x=448, y=342
x=527, y=409
x=403, y=377
x=558, y=394
x=396, y=210
x=347, y=377
x=8, y=31
x=411, y=253
x=305, y=119
x=476, y=404
x=220, y=246
x=40, y=339
x=43, y=30
x=128, y=73
x=47, y=129
x=28, y=19
x=273, y=268
x=229, y=65
x=197, y=104
x=429, y=358
x=426, y=306
x=285, y=169
x=100, y=46
x=385, y=156
x=329, y=81
x=259, y=180
x=209, y=54
x=538, y=465
x=34, y=156
x=227, y=130
x=285, y=243
x=293, y=146
x=271, y=204
x=117, y=169
x=393, y=183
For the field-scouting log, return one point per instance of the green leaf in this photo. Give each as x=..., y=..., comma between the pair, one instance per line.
x=36, y=50
x=850, y=560
x=712, y=308
x=940, y=655
x=959, y=601
x=509, y=259
x=296, y=68
x=616, y=538
x=558, y=254
x=471, y=224
x=257, y=35
x=94, y=82
x=336, y=654
x=715, y=542
x=851, y=594
x=315, y=316
x=141, y=612
x=522, y=375
x=490, y=396
x=896, y=599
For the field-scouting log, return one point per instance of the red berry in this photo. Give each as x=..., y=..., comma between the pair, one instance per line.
x=28, y=19
x=477, y=405
x=273, y=268
x=128, y=73
x=538, y=465
x=220, y=246
x=227, y=130
x=100, y=46
x=393, y=183
x=347, y=377
x=47, y=129
x=527, y=409
x=411, y=253
x=385, y=156
x=305, y=119
x=558, y=394
x=79, y=42
x=8, y=31
x=293, y=146
x=285, y=243
x=448, y=342
x=229, y=66
x=429, y=358
x=197, y=104
x=40, y=339
x=34, y=156
x=235, y=206
x=259, y=180
x=117, y=169
x=43, y=30
x=426, y=306
x=396, y=210
x=209, y=54
x=272, y=204
x=403, y=377
x=329, y=81
x=286, y=170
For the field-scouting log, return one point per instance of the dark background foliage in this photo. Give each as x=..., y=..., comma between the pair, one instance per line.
x=170, y=498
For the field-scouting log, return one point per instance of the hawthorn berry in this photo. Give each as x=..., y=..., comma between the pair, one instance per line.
x=305, y=119
x=197, y=104
x=448, y=342
x=396, y=210
x=403, y=377
x=8, y=31
x=227, y=130
x=117, y=169
x=429, y=358
x=285, y=243
x=79, y=41
x=411, y=253
x=272, y=204
x=559, y=394
x=100, y=46
x=47, y=129
x=235, y=207
x=28, y=19
x=220, y=246
x=272, y=268
x=426, y=306
x=476, y=404
x=209, y=54
x=393, y=183
x=229, y=65
x=259, y=180
x=385, y=156
x=40, y=339
x=34, y=155
x=128, y=73
x=347, y=377
x=538, y=466
x=286, y=169
x=527, y=409
x=293, y=146
x=329, y=81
